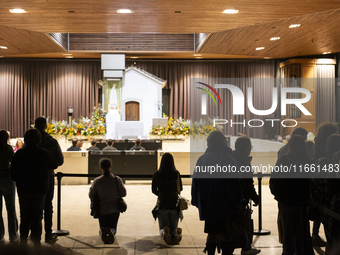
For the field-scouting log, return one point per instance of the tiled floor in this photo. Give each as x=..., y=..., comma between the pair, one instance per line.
x=137, y=229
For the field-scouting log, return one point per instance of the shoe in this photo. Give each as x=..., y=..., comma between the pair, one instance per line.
x=178, y=237
x=107, y=235
x=250, y=252
x=166, y=235
x=318, y=241
x=51, y=238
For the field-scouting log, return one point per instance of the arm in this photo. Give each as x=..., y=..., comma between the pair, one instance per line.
x=154, y=186
x=180, y=182
x=59, y=157
x=121, y=188
x=93, y=190
x=15, y=166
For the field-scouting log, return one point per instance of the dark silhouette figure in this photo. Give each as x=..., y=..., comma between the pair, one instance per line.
x=216, y=198
x=109, y=146
x=167, y=185
x=293, y=196
x=297, y=131
x=30, y=169
x=7, y=189
x=138, y=146
x=93, y=146
x=241, y=153
x=50, y=144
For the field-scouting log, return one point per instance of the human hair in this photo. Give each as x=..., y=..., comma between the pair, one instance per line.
x=138, y=142
x=74, y=141
x=40, y=124
x=326, y=129
x=17, y=143
x=167, y=167
x=310, y=148
x=297, y=147
x=93, y=142
x=242, y=143
x=109, y=142
x=105, y=164
x=3, y=139
x=216, y=138
x=79, y=144
x=32, y=137
x=333, y=144
x=301, y=132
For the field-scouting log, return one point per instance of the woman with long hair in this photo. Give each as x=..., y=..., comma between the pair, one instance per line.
x=109, y=188
x=7, y=189
x=167, y=184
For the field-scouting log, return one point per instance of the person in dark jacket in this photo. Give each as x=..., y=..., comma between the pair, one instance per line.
x=137, y=146
x=293, y=196
x=109, y=146
x=30, y=169
x=216, y=197
x=324, y=131
x=109, y=188
x=297, y=131
x=241, y=153
x=93, y=146
x=74, y=145
x=7, y=189
x=167, y=184
x=50, y=144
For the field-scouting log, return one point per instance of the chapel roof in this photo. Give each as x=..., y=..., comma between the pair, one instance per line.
x=148, y=75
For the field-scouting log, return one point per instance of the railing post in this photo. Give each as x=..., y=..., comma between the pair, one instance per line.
x=59, y=232
x=260, y=231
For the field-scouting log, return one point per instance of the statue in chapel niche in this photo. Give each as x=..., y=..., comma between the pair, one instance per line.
x=113, y=98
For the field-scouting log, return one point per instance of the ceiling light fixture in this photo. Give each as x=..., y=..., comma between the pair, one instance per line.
x=259, y=48
x=3, y=47
x=230, y=11
x=197, y=55
x=134, y=57
x=275, y=38
x=327, y=52
x=68, y=54
x=124, y=11
x=294, y=25
x=69, y=57
x=17, y=10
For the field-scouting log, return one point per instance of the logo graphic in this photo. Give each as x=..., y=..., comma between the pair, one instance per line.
x=213, y=90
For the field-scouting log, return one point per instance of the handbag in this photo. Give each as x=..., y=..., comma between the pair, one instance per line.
x=121, y=204
x=183, y=203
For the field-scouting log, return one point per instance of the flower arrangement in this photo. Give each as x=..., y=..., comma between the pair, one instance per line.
x=183, y=127
x=96, y=125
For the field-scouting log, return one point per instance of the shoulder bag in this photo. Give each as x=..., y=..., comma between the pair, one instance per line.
x=121, y=204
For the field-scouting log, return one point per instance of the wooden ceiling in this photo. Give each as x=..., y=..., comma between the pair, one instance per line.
x=229, y=36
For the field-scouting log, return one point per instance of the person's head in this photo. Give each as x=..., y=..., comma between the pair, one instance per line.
x=40, y=124
x=288, y=137
x=310, y=148
x=93, y=142
x=300, y=132
x=326, y=129
x=333, y=144
x=109, y=142
x=74, y=141
x=138, y=142
x=79, y=144
x=32, y=137
x=243, y=145
x=216, y=139
x=3, y=139
x=297, y=146
x=19, y=144
x=167, y=163
x=105, y=165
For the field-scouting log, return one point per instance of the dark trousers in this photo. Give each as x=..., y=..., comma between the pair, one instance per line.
x=109, y=220
x=296, y=234
x=31, y=214
x=48, y=208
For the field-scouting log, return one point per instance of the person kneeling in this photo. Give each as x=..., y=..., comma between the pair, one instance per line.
x=109, y=188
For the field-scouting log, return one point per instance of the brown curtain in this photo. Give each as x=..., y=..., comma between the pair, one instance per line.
x=180, y=74
x=33, y=88
x=325, y=94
